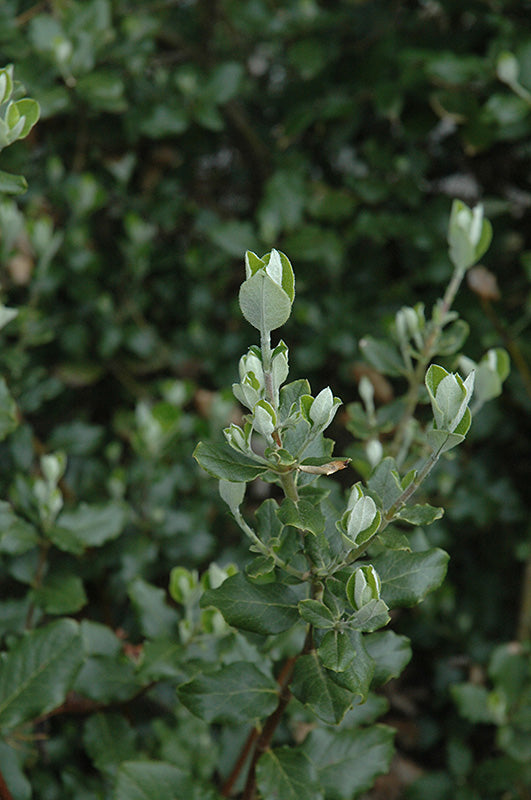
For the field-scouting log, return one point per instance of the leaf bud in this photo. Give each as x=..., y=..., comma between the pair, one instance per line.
x=469, y=235
x=363, y=586
x=264, y=419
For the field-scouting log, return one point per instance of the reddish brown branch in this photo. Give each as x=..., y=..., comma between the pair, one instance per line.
x=264, y=739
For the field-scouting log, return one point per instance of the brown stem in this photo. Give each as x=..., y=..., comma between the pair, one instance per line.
x=238, y=766
x=5, y=794
x=264, y=739
x=25, y=17
x=282, y=680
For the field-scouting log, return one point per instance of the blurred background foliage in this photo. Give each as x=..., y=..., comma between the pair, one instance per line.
x=174, y=135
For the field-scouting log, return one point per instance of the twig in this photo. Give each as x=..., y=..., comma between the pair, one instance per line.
x=264, y=739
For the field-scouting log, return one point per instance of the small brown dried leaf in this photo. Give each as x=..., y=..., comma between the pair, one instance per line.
x=483, y=282
x=325, y=469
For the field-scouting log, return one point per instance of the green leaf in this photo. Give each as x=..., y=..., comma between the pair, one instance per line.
x=286, y=773
x=290, y=395
x=312, y=685
x=8, y=314
x=420, y=514
x=61, y=594
x=238, y=692
x=103, y=90
x=282, y=204
x=261, y=567
x=441, y=441
x=29, y=109
x=232, y=493
x=473, y=703
x=222, y=462
x=390, y=653
x=109, y=739
x=37, y=673
x=161, y=659
x=107, y=679
x=12, y=760
x=12, y=184
x=264, y=304
x=155, y=616
x=225, y=81
x=348, y=761
x=408, y=577
x=452, y=339
x=382, y=355
x=163, y=120
x=156, y=780
x=93, y=525
x=260, y=608
x=316, y=613
x=385, y=482
x=336, y=650
x=358, y=674
x=16, y=535
x=8, y=411
x=303, y=515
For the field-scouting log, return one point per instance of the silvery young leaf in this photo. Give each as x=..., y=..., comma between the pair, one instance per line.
x=382, y=355
x=264, y=304
x=370, y=616
x=390, y=653
x=238, y=692
x=227, y=464
x=422, y=514
x=286, y=773
x=303, y=515
x=137, y=780
x=37, y=673
x=259, y=608
x=385, y=482
x=408, y=577
x=348, y=761
x=312, y=685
